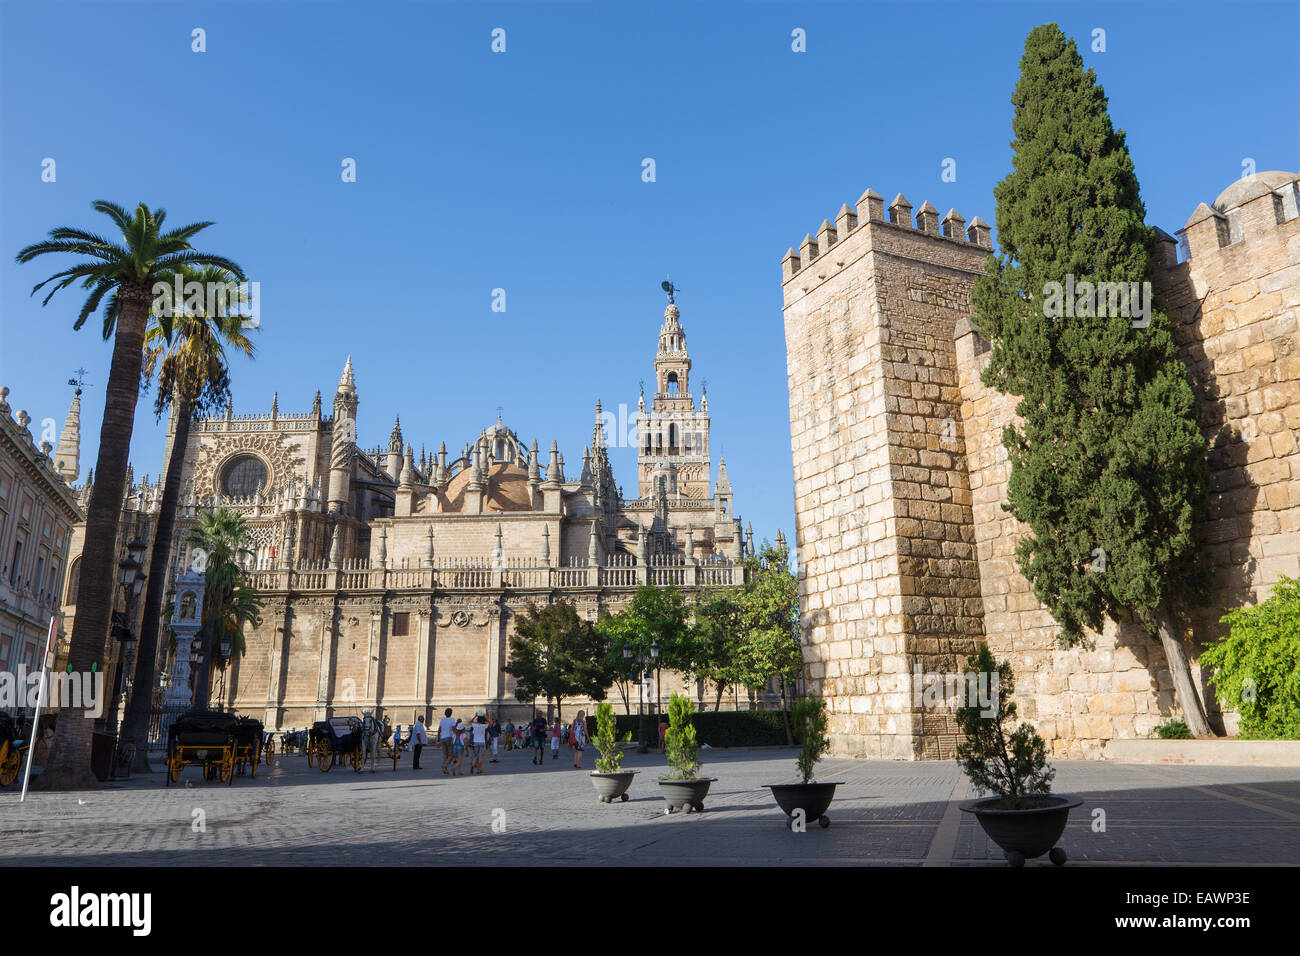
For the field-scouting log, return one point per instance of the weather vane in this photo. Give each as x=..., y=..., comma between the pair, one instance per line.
x=668, y=287
x=80, y=381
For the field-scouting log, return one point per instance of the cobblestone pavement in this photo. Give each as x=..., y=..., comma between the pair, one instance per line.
x=885, y=813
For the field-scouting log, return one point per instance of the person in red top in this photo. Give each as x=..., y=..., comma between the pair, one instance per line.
x=663, y=731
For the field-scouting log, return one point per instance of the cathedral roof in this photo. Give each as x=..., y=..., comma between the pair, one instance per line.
x=507, y=489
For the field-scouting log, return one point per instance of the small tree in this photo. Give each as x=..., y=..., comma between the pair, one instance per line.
x=809, y=719
x=717, y=635
x=680, y=740
x=769, y=612
x=554, y=654
x=1011, y=765
x=1256, y=667
x=606, y=740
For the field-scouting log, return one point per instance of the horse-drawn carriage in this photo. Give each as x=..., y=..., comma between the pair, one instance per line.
x=203, y=737
x=12, y=749
x=337, y=740
x=249, y=738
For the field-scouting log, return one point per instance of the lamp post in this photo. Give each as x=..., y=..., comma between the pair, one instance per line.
x=640, y=694
x=130, y=574
x=654, y=656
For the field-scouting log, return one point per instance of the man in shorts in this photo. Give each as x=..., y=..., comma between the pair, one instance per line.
x=447, y=737
x=539, y=737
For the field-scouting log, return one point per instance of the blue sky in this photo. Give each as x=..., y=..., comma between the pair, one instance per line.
x=522, y=171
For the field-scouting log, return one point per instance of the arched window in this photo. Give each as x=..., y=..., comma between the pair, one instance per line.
x=74, y=582
x=243, y=477
x=672, y=383
x=672, y=436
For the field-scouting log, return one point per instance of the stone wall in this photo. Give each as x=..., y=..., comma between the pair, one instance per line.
x=906, y=556
x=889, y=585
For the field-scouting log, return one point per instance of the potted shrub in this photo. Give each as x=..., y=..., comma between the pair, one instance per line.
x=808, y=721
x=610, y=780
x=683, y=788
x=1023, y=818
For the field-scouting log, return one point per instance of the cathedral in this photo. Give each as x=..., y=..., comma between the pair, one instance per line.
x=392, y=581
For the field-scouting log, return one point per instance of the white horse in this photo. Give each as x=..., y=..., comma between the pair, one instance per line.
x=372, y=732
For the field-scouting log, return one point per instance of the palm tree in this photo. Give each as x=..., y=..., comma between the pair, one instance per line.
x=186, y=348
x=229, y=602
x=119, y=275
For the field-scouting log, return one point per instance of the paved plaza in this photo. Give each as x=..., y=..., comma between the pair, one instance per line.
x=886, y=813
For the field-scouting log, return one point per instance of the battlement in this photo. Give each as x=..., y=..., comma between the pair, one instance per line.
x=870, y=211
x=1249, y=209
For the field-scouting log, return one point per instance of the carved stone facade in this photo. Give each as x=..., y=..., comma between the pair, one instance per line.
x=395, y=583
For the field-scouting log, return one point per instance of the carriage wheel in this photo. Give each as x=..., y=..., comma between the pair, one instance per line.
x=324, y=758
x=257, y=758
x=174, y=768
x=310, y=752
x=10, y=762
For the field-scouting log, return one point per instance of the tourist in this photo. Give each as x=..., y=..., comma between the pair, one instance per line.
x=494, y=735
x=478, y=741
x=663, y=731
x=461, y=733
x=418, y=740
x=556, y=731
x=579, y=737
x=510, y=735
x=447, y=737
x=539, y=738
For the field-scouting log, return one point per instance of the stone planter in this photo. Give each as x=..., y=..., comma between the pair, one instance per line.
x=685, y=795
x=612, y=786
x=1025, y=834
x=814, y=799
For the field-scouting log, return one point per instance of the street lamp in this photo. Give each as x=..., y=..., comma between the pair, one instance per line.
x=130, y=574
x=654, y=656
x=640, y=694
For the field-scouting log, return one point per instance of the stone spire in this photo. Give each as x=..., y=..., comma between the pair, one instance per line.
x=534, y=472
x=408, y=468
x=546, y=543
x=498, y=552
x=584, y=480
x=553, y=473
x=749, y=538
x=723, y=486
x=428, y=554
x=598, y=433
x=275, y=405
x=593, y=553
x=67, y=457
x=347, y=382
x=780, y=538
x=395, y=439
x=315, y=405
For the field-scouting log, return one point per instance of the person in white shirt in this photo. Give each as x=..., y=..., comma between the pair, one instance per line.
x=418, y=740
x=478, y=741
x=447, y=737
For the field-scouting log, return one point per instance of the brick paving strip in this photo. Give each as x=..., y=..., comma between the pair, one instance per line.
x=885, y=813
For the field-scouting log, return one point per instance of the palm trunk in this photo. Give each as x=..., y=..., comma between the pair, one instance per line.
x=136, y=726
x=1181, y=671
x=68, y=766
x=203, y=675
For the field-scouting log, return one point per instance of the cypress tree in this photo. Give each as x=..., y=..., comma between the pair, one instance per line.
x=1107, y=460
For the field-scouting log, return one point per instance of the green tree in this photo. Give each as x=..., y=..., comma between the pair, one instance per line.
x=1256, y=668
x=1107, y=459
x=717, y=636
x=769, y=612
x=554, y=654
x=1011, y=764
x=680, y=743
x=187, y=349
x=220, y=540
x=119, y=274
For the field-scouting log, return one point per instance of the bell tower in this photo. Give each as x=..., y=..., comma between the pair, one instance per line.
x=673, y=433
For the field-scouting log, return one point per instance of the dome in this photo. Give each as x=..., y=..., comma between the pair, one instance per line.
x=1244, y=189
x=507, y=489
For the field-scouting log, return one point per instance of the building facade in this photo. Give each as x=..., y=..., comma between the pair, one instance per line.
x=38, y=511
x=906, y=556
x=394, y=582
